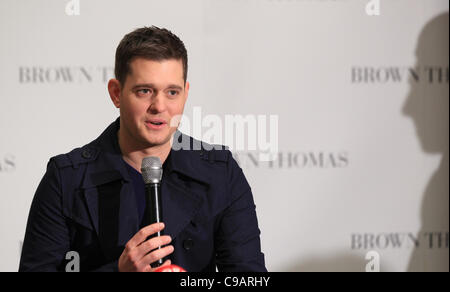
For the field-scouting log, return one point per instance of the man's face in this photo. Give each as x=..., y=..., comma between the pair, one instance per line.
x=154, y=91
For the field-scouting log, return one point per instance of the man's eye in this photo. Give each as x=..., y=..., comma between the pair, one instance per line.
x=143, y=91
x=173, y=92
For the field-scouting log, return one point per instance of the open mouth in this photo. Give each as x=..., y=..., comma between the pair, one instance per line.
x=155, y=124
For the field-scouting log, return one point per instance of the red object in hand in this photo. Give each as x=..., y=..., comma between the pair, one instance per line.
x=170, y=268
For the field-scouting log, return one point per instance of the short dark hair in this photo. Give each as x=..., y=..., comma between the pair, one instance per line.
x=151, y=43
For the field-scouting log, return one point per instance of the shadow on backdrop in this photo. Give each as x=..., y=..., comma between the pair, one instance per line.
x=427, y=105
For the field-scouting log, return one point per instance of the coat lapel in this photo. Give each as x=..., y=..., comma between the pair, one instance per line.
x=113, y=210
x=179, y=206
x=183, y=189
x=108, y=192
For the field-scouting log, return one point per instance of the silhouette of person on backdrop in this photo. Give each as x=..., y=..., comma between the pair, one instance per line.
x=428, y=106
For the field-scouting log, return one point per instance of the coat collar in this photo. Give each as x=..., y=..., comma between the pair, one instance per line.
x=181, y=161
x=109, y=193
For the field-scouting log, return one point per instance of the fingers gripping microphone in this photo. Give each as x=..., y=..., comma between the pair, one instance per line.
x=152, y=174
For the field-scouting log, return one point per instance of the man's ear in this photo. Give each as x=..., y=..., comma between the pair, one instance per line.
x=114, y=90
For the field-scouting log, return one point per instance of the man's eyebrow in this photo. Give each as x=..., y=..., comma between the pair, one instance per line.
x=151, y=85
x=174, y=86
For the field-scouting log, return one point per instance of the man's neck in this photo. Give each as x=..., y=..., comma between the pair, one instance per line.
x=133, y=154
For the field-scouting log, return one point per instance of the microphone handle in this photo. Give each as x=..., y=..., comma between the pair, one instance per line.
x=155, y=214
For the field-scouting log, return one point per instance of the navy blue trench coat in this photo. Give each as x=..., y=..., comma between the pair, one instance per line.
x=85, y=203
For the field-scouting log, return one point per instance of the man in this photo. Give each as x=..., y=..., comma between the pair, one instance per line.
x=92, y=200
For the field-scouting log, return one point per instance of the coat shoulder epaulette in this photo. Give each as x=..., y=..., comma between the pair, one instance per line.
x=76, y=157
x=200, y=149
x=214, y=153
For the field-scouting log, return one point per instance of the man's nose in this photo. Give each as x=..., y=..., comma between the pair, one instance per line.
x=157, y=103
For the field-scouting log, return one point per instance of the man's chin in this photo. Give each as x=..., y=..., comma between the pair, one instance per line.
x=157, y=138
x=157, y=141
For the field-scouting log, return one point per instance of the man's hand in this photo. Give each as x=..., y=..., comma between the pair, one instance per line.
x=139, y=253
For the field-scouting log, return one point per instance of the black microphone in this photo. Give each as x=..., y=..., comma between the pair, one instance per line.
x=152, y=174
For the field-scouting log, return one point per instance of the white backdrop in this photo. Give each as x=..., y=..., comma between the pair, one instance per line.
x=362, y=103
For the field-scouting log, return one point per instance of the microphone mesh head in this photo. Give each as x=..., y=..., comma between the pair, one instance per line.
x=151, y=169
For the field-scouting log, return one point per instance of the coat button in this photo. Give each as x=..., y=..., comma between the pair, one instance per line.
x=188, y=244
x=86, y=154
